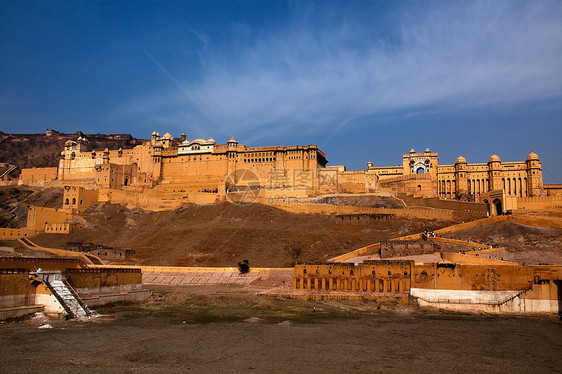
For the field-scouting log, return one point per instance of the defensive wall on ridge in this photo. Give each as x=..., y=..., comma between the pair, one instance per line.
x=420, y=213
x=440, y=203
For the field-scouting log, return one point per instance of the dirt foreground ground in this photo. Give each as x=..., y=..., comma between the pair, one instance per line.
x=233, y=330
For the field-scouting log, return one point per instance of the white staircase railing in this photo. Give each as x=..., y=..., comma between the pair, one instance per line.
x=65, y=294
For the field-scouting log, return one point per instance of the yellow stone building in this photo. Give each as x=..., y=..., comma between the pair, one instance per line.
x=199, y=165
x=421, y=172
x=196, y=165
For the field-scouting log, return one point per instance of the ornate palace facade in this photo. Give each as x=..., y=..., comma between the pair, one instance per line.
x=461, y=180
x=191, y=165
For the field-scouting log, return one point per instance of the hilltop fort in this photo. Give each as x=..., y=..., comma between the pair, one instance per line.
x=362, y=229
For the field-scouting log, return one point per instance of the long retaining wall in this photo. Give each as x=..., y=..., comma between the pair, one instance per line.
x=420, y=213
x=155, y=200
x=437, y=202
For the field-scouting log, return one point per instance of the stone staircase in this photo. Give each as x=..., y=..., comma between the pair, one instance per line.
x=66, y=295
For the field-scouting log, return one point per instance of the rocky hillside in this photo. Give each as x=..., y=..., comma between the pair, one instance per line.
x=39, y=150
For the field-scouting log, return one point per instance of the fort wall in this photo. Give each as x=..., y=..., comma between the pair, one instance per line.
x=380, y=277
x=38, y=174
x=539, y=202
x=23, y=293
x=38, y=218
x=89, y=282
x=420, y=213
x=490, y=286
x=78, y=199
x=6, y=233
x=439, y=203
x=417, y=185
x=34, y=263
x=16, y=289
x=553, y=189
x=398, y=248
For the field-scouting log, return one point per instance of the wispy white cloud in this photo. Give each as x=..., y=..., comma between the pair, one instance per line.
x=318, y=68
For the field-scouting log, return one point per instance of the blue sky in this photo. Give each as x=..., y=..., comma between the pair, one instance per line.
x=364, y=80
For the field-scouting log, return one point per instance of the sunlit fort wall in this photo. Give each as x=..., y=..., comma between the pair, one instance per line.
x=178, y=165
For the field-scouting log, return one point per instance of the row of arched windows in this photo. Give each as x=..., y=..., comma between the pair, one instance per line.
x=512, y=187
x=478, y=186
x=447, y=188
x=515, y=186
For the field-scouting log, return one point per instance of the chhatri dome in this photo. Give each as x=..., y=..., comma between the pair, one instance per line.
x=494, y=158
x=532, y=156
x=412, y=150
x=232, y=140
x=460, y=160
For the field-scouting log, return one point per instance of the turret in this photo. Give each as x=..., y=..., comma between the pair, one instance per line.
x=461, y=176
x=494, y=173
x=232, y=142
x=534, y=175
x=106, y=156
x=167, y=140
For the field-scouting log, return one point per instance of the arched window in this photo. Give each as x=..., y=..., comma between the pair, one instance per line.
x=66, y=202
x=73, y=200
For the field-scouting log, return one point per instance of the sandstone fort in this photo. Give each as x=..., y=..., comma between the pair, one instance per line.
x=440, y=268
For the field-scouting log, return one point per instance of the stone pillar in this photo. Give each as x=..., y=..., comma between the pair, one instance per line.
x=294, y=283
x=308, y=283
x=331, y=284
x=323, y=283
x=316, y=283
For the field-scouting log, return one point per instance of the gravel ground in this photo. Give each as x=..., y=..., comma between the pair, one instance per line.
x=233, y=330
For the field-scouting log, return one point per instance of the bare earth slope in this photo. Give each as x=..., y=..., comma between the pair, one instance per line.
x=223, y=234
